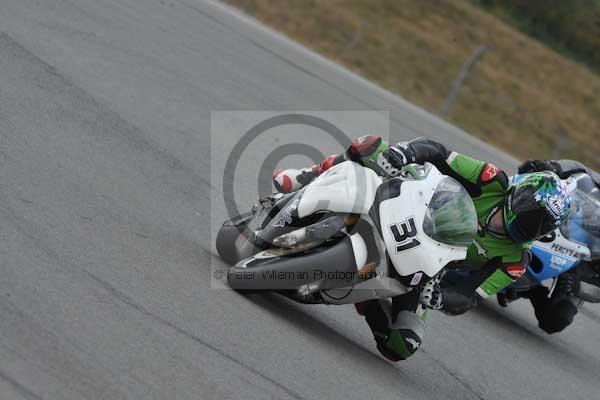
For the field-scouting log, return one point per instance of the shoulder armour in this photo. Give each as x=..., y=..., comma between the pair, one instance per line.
x=490, y=173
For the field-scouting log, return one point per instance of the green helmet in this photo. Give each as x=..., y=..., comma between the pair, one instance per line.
x=536, y=204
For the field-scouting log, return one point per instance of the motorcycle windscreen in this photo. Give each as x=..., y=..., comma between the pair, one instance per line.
x=583, y=224
x=451, y=217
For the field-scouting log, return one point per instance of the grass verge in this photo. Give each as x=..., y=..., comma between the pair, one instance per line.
x=521, y=96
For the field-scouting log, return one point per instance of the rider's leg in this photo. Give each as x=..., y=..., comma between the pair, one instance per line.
x=290, y=180
x=366, y=150
x=553, y=313
x=397, y=327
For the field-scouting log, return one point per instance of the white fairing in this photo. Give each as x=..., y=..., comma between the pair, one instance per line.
x=360, y=250
x=408, y=257
x=347, y=187
x=563, y=247
x=377, y=288
x=350, y=188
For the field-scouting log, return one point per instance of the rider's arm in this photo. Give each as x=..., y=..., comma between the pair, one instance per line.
x=471, y=173
x=503, y=276
x=495, y=276
x=563, y=168
x=373, y=152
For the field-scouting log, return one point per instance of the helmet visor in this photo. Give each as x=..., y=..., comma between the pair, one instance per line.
x=531, y=225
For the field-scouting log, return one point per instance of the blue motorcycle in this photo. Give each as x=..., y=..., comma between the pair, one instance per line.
x=575, y=244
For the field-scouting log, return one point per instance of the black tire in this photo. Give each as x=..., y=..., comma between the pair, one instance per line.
x=225, y=243
x=228, y=234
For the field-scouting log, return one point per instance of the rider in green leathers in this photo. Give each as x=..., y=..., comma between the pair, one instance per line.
x=510, y=217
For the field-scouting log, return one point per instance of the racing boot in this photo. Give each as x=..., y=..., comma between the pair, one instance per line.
x=397, y=333
x=290, y=180
x=556, y=312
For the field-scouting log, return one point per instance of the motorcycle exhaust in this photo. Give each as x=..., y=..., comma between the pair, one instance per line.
x=283, y=269
x=307, y=290
x=317, y=232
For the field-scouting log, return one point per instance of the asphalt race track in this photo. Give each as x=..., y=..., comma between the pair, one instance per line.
x=105, y=240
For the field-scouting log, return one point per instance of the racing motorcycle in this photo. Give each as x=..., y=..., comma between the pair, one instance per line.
x=350, y=236
x=575, y=244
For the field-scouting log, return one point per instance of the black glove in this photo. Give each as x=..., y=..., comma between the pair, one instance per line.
x=399, y=155
x=431, y=295
x=395, y=157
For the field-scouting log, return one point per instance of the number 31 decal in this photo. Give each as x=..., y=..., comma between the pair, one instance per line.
x=404, y=233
